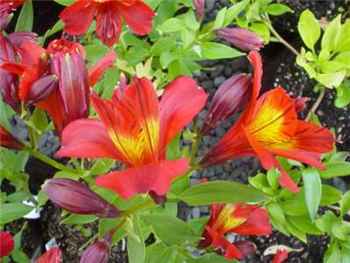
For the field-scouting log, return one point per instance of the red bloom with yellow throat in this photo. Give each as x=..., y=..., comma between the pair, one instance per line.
x=109, y=15
x=135, y=128
x=270, y=127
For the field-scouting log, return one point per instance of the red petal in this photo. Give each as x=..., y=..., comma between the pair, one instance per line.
x=257, y=222
x=96, y=72
x=53, y=255
x=7, y=244
x=13, y=68
x=152, y=177
x=87, y=138
x=281, y=256
x=181, y=102
x=78, y=17
x=32, y=54
x=8, y=141
x=138, y=17
x=108, y=24
x=132, y=120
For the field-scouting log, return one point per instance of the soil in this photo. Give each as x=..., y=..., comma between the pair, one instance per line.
x=279, y=68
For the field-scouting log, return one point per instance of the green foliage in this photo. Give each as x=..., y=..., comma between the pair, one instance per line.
x=25, y=19
x=329, y=64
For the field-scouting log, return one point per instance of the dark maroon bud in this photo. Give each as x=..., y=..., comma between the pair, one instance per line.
x=241, y=38
x=247, y=248
x=199, y=6
x=300, y=103
x=42, y=88
x=78, y=198
x=96, y=253
x=228, y=99
x=158, y=199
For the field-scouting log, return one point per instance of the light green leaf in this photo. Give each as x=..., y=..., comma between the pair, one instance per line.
x=220, y=18
x=313, y=191
x=75, y=219
x=213, y=50
x=331, y=80
x=330, y=39
x=343, y=95
x=309, y=28
x=220, y=192
x=234, y=11
x=278, y=9
x=344, y=39
x=345, y=203
x=64, y=2
x=25, y=19
x=171, y=25
x=136, y=244
x=335, y=169
x=13, y=211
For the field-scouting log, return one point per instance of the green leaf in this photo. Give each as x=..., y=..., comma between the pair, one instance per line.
x=309, y=28
x=304, y=224
x=330, y=39
x=345, y=203
x=75, y=219
x=278, y=9
x=136, y=245
x=39, y=119
x=6, y=113
x=171, y=230
x=171, y=25
x=19, y=256
x=262, y=30
x=331, y=80
x=25, y=18
x=212, y=258
x=213, y=50
x=330, y=195
x=344, y=39
x=335, y=169
x=13, y=211
x=220, y=18
x=64, y=2
x=312, y=191
x=343, y=94
x=220, y=192
x=326, y=222
x=276, y=212
x=234, y=11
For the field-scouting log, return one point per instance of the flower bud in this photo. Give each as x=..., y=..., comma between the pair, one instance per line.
x=228, y=99
x=53, y=255
x=96, y=253
x=42, y=88
x=199, y=6
x=8, y=141
x=78, y=198
x=281, y=256
x=241, y=38
x=6, y=244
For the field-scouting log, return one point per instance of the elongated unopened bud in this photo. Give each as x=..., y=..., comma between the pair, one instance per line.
x=228, y=99
x=199, y=6
x=241, y=38
x=78, y=198
x=53, y=255
x=42, y=88
x=98, y=252
x=7, y=244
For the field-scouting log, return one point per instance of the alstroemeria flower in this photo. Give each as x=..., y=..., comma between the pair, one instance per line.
x=281, y=256
x=9, y=51
x=6, y=8
x=109, y=15
x=269, y=127
x=8, y=141
x=242, y=219
x=136, y=128
x=70, y=100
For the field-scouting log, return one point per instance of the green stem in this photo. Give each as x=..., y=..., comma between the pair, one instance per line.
x=195, y=144
x=316, y=104
x=279, y=37
x=49, y=161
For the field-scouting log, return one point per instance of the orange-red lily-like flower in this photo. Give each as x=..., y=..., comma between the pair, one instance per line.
x=109, y=14
x=281, y=256
x=136, y=128
x=53, y=255
x=7, y=244
x=8, y=141
x=269, y=127
x=242, y=219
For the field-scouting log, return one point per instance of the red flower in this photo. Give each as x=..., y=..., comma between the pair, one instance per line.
x=53, y=255
x=281, y=256
x=241, y=219
x=8, y=141
x=6, y=244
x=270, y=127
x=70, y=101
x=109, y=14
x=136, y=128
